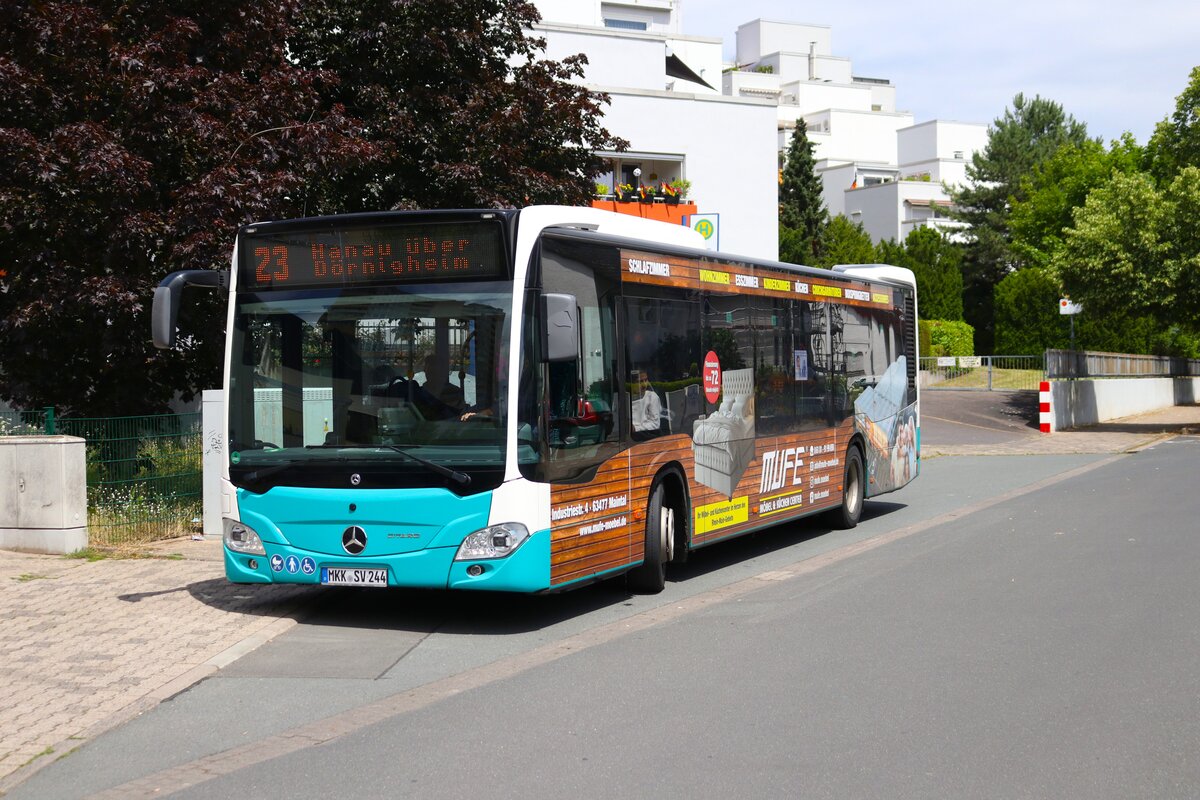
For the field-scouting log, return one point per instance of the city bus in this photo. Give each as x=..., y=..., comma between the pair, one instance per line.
x=531, y=400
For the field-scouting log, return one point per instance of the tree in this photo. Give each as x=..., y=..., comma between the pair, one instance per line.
x=136, y=138
x=936, y=264
x=1024, y=137
x=1176, y=141
x=1055, y=188
x=1135, y=250
x=1027, y=316
x=802, y=212
x=846, y=242
x=459, y=102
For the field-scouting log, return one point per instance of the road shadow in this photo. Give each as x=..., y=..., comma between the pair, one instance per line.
x=1022, y=406
x=260, y=601
x=486, y=613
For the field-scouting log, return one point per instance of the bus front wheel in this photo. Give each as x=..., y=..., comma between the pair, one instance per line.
x=651, y=576
x=853, y=491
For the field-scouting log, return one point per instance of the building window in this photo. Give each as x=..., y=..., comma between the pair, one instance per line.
x=625, y=24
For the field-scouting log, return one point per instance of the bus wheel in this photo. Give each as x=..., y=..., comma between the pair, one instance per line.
x=853, y=489
x=651, y=576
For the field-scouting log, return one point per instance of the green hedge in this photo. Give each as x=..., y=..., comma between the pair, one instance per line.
x=939, y=337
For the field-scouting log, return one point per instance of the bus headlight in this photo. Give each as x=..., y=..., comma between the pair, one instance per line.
x=241, y=538
x=494, y=541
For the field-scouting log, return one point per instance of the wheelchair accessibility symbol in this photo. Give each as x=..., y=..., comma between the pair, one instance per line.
x=705, y=228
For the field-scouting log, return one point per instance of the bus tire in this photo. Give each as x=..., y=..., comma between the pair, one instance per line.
x=854, y=484
x=651, y=576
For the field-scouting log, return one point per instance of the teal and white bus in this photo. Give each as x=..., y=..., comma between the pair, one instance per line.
x=533, y=399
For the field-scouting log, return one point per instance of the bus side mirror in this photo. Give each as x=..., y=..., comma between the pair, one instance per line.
x=560, y=340
x=165, y=310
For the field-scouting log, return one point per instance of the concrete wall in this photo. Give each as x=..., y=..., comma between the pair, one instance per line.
x=43, y=494
x=1080, y=403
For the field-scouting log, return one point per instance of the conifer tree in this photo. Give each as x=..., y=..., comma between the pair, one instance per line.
x=802, y=212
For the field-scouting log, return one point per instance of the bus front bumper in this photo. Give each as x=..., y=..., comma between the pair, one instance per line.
x=527, y=569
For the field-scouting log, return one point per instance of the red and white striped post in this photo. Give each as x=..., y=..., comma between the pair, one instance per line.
x=1045, y=411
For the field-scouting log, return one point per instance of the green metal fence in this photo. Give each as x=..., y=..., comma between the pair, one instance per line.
x=144, y=474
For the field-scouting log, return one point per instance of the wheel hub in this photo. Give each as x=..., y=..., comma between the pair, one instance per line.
x=667, y=528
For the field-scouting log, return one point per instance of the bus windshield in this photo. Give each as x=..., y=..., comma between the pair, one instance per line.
x=399, y=385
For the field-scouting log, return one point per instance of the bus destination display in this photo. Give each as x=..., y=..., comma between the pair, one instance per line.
x=308, y=259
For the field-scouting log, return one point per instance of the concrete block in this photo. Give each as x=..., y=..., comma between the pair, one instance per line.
x=43, y=494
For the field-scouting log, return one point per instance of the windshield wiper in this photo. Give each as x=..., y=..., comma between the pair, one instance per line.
x=264, y=472
x=461, y=478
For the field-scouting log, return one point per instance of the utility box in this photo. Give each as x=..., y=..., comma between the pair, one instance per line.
x=43, y=494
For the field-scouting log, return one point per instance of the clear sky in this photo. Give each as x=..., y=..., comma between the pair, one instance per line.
x=1117, y=66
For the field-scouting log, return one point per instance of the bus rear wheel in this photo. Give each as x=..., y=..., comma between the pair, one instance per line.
x=651, y=576
x=853, y=492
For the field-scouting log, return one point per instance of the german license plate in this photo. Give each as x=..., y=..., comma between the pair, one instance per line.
x=347, y=576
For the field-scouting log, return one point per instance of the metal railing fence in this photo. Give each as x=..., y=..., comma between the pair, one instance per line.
x=982, y=373
x=1061, y=364
x=144, y=474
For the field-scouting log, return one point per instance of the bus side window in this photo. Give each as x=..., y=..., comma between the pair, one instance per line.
x=812, y=364
x=662, y=351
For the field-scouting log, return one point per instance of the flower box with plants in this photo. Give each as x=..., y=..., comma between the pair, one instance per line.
x=626, y=194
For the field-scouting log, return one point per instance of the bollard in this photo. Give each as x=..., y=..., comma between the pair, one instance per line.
x=1046, y=414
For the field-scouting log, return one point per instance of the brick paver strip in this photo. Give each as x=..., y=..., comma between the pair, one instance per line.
x=85, y=646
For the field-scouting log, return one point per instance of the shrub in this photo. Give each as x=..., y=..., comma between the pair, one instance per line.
x=947, y=337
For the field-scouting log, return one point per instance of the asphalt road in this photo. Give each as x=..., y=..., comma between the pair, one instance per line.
x=968, y=417
x=1021, y=626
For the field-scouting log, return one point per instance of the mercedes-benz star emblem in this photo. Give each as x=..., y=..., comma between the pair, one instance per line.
x=354, y=540
x=355, y=479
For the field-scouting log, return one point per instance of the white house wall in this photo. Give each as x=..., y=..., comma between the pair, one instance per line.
x=616, y=58
x=858, y=135
x=883, y=96
x=762, y=37
x=885, y=212
x=877, y=208
x=703, y=55
x=661, y=16
x=834, y=182
x=940, y=139
x=801, y=98
x=796, y=66
x=729, y=155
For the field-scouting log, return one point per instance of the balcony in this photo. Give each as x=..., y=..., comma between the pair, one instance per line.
x=662, y=211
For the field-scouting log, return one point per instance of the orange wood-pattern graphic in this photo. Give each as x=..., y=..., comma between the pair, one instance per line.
x=589, y=535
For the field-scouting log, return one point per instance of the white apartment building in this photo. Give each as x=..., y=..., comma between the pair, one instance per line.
x=726, y=127
x=877, y=166
x=666, y=101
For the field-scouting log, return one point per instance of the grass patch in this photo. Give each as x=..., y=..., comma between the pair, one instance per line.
x=49, y=751
x=126, y=552
x=26, y=577
x=90, y=554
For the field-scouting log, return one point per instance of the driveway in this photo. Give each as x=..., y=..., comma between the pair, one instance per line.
x=957, y=417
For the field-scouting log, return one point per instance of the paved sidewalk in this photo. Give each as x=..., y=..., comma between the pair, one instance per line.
x=85, y=646
x=1116, y=436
